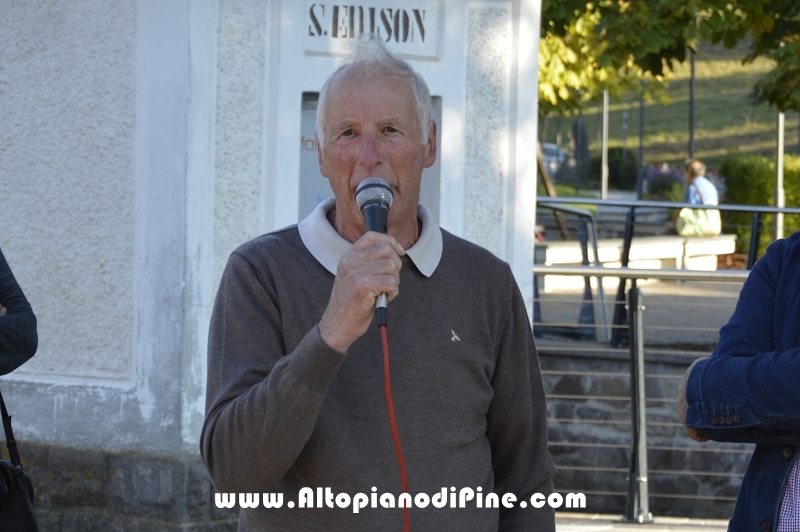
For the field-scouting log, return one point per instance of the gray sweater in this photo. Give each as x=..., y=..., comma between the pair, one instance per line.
x=284, y=411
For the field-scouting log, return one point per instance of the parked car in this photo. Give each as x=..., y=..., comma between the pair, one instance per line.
x=554, y=157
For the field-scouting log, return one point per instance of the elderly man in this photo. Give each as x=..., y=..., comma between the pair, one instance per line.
x=747, y=391
x=296, y=403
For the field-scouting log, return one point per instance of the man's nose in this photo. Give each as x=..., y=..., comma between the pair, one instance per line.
x=370, y=154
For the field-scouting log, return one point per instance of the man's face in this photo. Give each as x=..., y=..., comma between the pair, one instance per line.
x=372, y=130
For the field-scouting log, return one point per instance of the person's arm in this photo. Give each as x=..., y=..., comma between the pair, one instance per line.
x=18, y=338
x=262, y=403
x=746, y=391
x=693, y=195
x=517, y=424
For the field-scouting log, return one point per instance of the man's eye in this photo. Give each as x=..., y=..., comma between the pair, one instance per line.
x=390, y=129
x=348, y=133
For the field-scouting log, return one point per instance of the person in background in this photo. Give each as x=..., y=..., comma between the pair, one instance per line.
x=699, y=190
x=18, y=338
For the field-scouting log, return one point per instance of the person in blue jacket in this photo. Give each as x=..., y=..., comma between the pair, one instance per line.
x=748, y=391
x=18, y=338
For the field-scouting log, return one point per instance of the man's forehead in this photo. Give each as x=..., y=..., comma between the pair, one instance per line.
x=371, y=89
x=365, y=76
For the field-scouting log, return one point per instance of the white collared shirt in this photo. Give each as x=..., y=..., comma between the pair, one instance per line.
x=328, y=246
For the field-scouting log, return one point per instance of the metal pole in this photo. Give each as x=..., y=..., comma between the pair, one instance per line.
x=619, y=336
x=780, y=198
x=604, y=171
x=586, y=321
x=640, y=172
x=624, y=133
x=637, y=508
x=691, y=109
x=641, y=127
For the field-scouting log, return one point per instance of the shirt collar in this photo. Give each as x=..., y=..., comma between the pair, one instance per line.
x=328, y=246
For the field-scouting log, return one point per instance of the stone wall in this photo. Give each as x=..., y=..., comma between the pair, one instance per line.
x=96, y=491
x=590, y=433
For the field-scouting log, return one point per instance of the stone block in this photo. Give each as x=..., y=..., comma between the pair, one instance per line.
x=149, y=486
x=199, y=492
x=34, y=462
x=76, y=478
x=569, y=385
x=49, y=520
x=95, y=520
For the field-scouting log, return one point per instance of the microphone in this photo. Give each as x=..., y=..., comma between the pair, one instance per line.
x=374, y=197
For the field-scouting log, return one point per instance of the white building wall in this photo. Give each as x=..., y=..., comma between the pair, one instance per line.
x=68, y=85
x=144, y=140
x=93, y=175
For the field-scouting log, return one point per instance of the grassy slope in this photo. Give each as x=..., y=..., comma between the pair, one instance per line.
x=725, y=120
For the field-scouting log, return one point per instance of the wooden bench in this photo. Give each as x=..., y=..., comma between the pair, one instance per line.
x=654, y=252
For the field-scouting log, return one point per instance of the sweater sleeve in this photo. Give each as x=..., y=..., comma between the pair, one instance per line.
x=746, y=391
x=262, y=403
x=18, y=338
x=517, y=424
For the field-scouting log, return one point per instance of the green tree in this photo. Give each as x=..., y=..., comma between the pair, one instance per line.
x=774, y=27
x=587, y=47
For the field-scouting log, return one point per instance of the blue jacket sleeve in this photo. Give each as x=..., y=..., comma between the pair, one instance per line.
x=18, y=339
x=746, y=391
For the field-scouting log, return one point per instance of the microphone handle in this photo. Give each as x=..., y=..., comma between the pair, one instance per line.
x=376, y=218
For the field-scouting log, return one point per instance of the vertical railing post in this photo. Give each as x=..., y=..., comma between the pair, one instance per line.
x=755, y=234
x=637, y=508
x=619, y=336
x=586, y=319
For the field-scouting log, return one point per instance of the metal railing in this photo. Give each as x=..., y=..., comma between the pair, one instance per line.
x=637, y=494
x=660, y=366
x=559, y=203
x=586, y=218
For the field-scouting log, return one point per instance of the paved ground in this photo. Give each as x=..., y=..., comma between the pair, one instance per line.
x=676, y=313
x=570, y=522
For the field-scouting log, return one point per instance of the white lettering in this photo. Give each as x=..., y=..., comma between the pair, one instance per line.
x=576, y=500
x=509, y=499
x=359, y=501
x=273, y=500
x=342, y=500
x=538, y=500
x=387, y=500
x=305, y=499
x=404, y=501
x=466, y=494
x=248, y=500
x=492, y=501
x=439, y=500
x=421, y=500
x=225, y=500
x=555, y=500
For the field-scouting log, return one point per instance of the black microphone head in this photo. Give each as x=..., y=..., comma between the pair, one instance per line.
x=374, y=191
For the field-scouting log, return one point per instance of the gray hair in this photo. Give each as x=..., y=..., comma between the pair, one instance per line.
x=370, y=53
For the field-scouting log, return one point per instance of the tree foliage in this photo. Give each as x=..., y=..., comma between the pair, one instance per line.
x=587, y=47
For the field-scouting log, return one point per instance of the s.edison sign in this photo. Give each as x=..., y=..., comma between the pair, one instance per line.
x=407, y=27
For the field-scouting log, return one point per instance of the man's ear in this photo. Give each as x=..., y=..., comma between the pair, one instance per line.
x=323, y=168
x=429, y=155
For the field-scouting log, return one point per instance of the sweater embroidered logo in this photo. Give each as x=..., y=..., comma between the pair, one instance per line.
x=455, y=337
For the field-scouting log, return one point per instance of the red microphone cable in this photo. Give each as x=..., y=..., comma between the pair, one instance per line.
x=390, y=404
